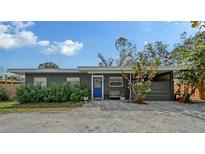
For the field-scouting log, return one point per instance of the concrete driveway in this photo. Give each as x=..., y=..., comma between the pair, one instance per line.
x=111, y=117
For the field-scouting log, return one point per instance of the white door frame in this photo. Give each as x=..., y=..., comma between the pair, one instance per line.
x=102, y=85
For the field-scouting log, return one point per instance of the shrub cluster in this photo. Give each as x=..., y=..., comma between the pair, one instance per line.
x=54, y=93
x=3, y=95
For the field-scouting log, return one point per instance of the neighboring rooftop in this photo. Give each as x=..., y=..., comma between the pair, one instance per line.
x=4, y=81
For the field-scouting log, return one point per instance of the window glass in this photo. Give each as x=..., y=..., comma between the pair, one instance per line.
x=97, y=82
x=73, y=80
x=115, y=82
x=40, y=81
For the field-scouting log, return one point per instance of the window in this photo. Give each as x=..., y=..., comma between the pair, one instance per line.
x=98, y=82
x=115, y=82
x=73, y=80
x=40, y=81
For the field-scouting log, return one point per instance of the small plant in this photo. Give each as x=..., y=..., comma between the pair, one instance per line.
x=177, y=94
x=3, y=95
x=106, y=95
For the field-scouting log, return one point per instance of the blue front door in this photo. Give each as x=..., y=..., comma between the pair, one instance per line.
x=97, y=87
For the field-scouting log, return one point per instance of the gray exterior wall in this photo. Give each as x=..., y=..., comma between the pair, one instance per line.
x=60, y=78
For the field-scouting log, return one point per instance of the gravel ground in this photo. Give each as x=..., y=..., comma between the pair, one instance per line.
x=111, y=117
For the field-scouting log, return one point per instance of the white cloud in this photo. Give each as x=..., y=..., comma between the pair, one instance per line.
x=145, y=42
x=10, y=37
x=24, y=38
x=16, y=35
x=19, y=25
x=44, y=43
x=67, y=48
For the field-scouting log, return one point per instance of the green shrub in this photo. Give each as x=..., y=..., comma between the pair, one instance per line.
x=3, y=95
x=66, y=90
x=29, y=94
x=85, y=92
x=53, y=93
x=76, y=93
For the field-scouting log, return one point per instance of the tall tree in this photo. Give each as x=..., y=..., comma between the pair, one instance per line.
x=128, y=54
x=48, y=65
x=126, y=50
x=191, y=51
x=105, y=62
x=157, y=50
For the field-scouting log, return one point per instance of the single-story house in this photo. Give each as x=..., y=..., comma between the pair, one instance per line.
x=104, y=83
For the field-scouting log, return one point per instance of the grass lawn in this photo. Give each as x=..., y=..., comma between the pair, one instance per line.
x=12, y=107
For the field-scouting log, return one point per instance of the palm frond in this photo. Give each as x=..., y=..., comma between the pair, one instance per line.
x=103, y=61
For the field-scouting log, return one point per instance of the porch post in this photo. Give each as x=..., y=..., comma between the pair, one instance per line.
x=130, y=97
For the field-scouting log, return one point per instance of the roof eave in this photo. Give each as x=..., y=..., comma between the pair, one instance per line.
x=36, y=71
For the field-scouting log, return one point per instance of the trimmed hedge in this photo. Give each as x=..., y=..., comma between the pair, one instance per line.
x=54, y=93
x=3, y=95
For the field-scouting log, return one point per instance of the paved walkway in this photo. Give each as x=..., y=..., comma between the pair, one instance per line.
x=112, y=116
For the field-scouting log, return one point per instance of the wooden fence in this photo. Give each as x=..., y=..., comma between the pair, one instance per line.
x=10, y=89
x=199, y=93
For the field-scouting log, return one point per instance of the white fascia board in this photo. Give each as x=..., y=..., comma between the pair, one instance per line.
x=163, y=68
x=23, y=71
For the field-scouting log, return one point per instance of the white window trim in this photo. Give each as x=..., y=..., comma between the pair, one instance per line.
x=78, y=79
x=116, y=81
x=34, y=80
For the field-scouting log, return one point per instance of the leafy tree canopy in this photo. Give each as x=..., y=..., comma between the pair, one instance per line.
x=157, y=50
x=198, y=24
x=128, y=54
x=15, y=77
x=48, y=65
x=126, y=50
x=191, y=54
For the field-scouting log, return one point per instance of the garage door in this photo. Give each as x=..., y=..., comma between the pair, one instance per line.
x=161, y=91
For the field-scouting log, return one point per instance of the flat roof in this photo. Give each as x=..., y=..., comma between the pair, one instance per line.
x=88, y=69
x=34, y=70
